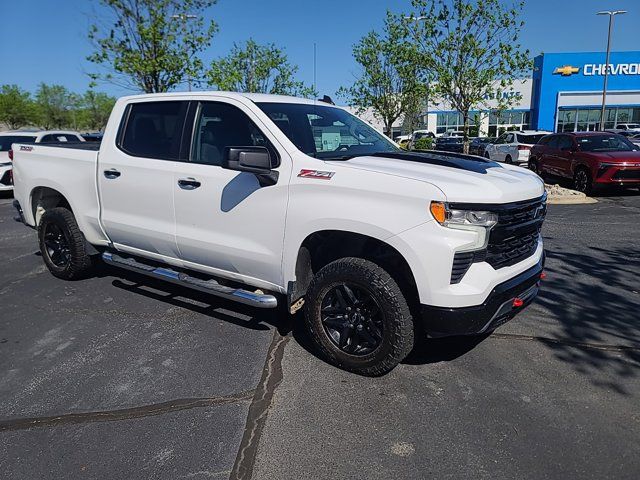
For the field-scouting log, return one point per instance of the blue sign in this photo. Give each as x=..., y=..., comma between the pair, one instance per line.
x=578, y=72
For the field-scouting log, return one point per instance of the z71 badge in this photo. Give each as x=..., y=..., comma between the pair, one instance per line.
x=318, y=174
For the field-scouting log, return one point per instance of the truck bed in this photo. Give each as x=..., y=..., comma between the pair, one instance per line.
x=91, y=146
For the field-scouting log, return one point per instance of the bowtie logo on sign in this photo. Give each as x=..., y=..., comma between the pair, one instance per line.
x=566, y=71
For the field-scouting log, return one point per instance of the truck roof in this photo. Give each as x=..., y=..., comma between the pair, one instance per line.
x=254, y=97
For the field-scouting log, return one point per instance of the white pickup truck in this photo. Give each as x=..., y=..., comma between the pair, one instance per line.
x=271, y=200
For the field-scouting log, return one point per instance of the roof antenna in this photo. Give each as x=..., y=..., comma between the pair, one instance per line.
x=326, y=99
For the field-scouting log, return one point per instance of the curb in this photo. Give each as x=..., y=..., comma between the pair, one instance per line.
x=570, y=200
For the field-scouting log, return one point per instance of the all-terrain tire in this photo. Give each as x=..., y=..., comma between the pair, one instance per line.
x=395, y=316
x=76, y=263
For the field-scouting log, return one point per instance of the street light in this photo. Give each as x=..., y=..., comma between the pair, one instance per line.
x=611, y=13
x=185, y=17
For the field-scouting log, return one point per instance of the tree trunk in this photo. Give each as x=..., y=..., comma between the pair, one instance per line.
x=465, y=132
x=388, y=125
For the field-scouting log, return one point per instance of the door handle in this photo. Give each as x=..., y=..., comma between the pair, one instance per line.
x=189, y=183
x=112, y=173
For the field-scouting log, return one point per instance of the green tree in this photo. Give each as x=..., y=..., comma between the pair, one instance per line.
x=389, y=82
x=470, y=48
x=256, y=68
x=55, y=106
x=16, y=107
x=94, y=111
x=150, y=45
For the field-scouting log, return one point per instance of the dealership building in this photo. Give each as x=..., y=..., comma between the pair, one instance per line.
x=563, y=94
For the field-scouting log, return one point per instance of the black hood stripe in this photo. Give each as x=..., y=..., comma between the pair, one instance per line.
x=460, y=161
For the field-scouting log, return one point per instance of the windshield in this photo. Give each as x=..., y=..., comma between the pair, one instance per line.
x=324, y=132
x=8, y=140
x=530, y=139
x=605, y=143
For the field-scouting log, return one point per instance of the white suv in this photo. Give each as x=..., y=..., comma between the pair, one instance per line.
x=27, y=136
x=514, y=147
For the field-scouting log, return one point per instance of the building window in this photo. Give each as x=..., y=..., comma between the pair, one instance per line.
x=453, y=121
x=508, y=120
x=588, y=119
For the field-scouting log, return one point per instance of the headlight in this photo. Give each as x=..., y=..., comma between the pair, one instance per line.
x=478, y=221
x=451, y=217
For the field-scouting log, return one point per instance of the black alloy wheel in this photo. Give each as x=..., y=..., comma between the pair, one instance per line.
x=352, y=319
x=582, y=181
x=57, y=245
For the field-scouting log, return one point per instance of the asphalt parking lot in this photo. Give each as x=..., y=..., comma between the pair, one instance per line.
x=122, y=377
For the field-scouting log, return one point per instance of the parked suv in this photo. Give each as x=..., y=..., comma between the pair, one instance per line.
x=513, y=147
x=27, y=136
x=588, y=159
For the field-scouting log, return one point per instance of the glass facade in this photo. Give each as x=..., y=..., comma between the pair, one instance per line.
x=588, y=119
x=508, y=120
x=453, y=121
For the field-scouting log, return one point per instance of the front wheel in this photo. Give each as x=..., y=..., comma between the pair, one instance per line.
x=62, y=245
x=582, y=181
x=358, y=317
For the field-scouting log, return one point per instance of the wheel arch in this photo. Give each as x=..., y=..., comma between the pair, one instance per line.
x=44, y=198
x=324, y=246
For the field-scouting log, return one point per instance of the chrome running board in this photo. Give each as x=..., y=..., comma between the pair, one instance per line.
x=246, y=297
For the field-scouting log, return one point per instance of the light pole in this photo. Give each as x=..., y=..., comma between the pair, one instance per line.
x=185, y=17
x=611, y=13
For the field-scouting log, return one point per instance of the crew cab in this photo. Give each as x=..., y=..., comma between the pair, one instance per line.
x=27, y=136
x=279, y=201
x=589, y=159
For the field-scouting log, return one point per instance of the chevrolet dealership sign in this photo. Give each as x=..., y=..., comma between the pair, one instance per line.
x=591, y=69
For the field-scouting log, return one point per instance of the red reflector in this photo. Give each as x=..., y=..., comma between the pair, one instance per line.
x=517, y=302
x=543, y=276
x=11, y=155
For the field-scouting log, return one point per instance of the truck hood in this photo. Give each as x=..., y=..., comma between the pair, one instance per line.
x=462, y=178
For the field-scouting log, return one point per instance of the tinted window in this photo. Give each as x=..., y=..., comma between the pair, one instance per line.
x=220, y=125
x=509, y=138
x=530, y=139
x=501, y=139
x=7, y=141
x=564, y=143
x=545, y=140
x=154, y=130
x=605, y=143
x=59, y=138
x=553, y=141
x=326, y=132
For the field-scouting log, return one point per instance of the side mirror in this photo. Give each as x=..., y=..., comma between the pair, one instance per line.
x=256, y=160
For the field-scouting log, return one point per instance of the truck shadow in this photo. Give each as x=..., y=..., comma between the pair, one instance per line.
x=587, y=315
x=205, y=304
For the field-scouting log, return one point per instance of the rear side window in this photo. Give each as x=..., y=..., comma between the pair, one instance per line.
x=154, y=130
x=530, y=139
x=7, y=141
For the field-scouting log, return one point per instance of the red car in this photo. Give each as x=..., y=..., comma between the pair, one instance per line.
x=590, y=159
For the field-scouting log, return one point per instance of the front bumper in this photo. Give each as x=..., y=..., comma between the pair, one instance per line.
x=496, y=310
x=6, y=179
x=618, y=174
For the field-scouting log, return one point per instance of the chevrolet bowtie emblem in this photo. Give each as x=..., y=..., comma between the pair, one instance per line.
x=566, y=71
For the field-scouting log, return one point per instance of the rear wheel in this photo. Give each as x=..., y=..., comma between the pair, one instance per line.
x=358, y=318
x=487, y=156
x=508, y=159
x=62, y=245
x=582, y=181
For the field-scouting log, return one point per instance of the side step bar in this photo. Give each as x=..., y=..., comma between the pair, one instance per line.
x=259, y=300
